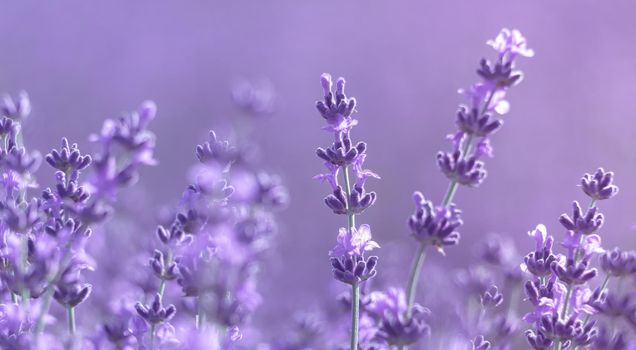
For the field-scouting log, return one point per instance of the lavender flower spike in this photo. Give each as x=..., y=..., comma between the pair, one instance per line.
x=350, y=199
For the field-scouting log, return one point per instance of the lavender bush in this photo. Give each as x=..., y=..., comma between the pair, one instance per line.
x=88, y=262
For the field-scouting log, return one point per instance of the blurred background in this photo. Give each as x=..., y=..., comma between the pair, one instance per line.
x=404, y=61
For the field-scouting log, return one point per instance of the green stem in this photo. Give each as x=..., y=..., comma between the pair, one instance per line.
x=355, y=315
x=70, y=312
x=152, y=337
x=413, y=278
x=14, y=298
x=162, y=287
x=48, y=292
x=355, y=297
x=199, y=319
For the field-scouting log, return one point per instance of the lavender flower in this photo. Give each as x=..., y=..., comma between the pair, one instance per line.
x=434, y=225
x=155, y=313
x=619, y=263
x=396, y=327
x=599, y=186
x=480, y=343
x=349, y=264
x=491, y=298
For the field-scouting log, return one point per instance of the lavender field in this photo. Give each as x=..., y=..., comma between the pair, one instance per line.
x=327, y=176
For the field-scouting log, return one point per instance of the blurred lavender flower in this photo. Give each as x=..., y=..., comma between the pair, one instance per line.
x=619, y=263
x=256, y=98
x=599, y=186
x=396, y=327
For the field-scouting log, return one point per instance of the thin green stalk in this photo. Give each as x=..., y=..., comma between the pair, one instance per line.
x=152, y=337
x=415, y=272
x=70, y=313
x=14, y=298
x=355, y=315
x=48, y=292
x=355, y=298
x=199, y=318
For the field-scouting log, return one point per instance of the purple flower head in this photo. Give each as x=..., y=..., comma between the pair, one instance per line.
x=510, y=43
x=619, y=263
x=130, y=132
x=538, y=262
x=566, y=330
x=336, y=109
x=155, y=313
x=608, y=339
x=599, y=186
x=395, y=327
x=353, y=269
x=20, y=161
x=472, y=122
x=162, y=268
x=358, y=202
x=574, y=273
x=469, y=171
x=44, y=261
x=354, y=242
x=613, y=304
x=499, y=75
x=586, y=224
x=434, y=225
x=538, y=340
x=270, y=191
x=21, y=218
x=216, y=151
x=68, y=159
x=17, y=109
x=342, y=152
x=480, y=343
x=491, y=298
x=256, y=98
x=173, y=237
x=536, y=291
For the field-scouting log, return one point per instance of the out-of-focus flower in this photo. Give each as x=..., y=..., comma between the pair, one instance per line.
x=619, y=263
x=599, y=186
x=396, y=328
x=511, y=42
x=256, y=98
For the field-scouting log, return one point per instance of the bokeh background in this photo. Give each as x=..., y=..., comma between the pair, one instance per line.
x=404, y=61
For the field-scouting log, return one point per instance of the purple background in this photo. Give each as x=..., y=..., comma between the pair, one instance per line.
x=84, y=61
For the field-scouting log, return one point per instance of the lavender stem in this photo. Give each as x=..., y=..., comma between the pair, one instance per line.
x=355, y=292
x=70, y=313
x=355, y=315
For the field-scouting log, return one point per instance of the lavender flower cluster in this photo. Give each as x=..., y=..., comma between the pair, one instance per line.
x=84, y=265
x=59, y=284
x=570, y=308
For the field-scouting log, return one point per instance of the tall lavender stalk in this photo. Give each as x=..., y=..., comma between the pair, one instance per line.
x=436, y=226
x=349, y=264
